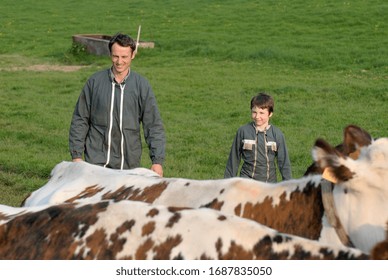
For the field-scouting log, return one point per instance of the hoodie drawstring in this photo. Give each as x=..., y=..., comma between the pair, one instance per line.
x=122, y=86
x=110, y=123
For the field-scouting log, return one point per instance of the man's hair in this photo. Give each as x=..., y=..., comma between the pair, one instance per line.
x=263, y=101
x=123, y=40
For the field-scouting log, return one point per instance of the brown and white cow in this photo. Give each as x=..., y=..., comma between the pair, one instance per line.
x=277, y=206
x=137, y=230
x=293, y=207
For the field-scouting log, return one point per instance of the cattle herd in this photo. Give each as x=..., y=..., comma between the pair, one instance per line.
x=90, y=212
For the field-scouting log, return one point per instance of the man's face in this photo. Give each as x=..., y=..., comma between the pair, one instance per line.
x=260, y=116
x=121, y=58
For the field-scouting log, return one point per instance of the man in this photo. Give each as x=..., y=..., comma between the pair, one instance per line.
x=105, y=127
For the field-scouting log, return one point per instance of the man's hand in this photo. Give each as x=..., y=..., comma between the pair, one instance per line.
x=77, y=159
x=158, y=169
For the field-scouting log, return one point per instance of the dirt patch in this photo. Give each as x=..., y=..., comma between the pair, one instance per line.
x=15, y=62
x=46, y=67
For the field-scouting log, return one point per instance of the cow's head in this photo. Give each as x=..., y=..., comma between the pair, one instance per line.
x=355, y=138
x=361, y=159
x=360, y=185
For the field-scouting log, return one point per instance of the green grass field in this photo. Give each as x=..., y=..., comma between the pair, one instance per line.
x=325, y=63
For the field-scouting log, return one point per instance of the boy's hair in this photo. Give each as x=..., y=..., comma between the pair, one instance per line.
x=123, y=40
x=263, y=101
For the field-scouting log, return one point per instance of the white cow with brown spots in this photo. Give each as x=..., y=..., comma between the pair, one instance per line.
x=73, y=182
x=293, y=207
x=137, y=230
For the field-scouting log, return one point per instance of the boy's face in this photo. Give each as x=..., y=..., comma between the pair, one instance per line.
x=260, y=116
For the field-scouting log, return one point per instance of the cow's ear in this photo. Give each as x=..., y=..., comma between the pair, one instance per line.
x=327, y=157
x=354, y=139
x=324, y=154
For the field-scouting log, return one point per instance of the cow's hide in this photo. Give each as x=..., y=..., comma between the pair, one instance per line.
x=137, y=230
x=280, y=206
x=380, y=250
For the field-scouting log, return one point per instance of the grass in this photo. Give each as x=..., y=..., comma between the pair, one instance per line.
x=325, y=63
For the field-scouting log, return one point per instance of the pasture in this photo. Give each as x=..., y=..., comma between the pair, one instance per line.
x=325, y=63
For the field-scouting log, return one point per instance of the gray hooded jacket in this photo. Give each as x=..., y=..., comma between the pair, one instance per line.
x=106, y=122
x=258, y=150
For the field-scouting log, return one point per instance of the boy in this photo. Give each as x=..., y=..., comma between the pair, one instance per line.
x=259, y=143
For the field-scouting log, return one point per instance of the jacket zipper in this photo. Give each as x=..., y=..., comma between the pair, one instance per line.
x=255, y=159
x=122, y=86
x=266, y=153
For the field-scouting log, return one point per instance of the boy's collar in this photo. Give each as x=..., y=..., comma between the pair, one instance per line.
x=261, y=130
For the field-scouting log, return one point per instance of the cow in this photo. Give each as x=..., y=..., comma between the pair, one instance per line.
x=118, y=230
x=293, y=207
x=262, y=202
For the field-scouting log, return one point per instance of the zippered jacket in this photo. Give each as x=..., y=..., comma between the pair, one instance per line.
x=260, y=151
x=106, y=123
